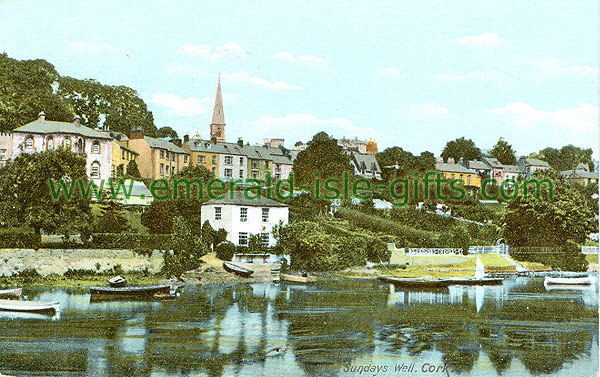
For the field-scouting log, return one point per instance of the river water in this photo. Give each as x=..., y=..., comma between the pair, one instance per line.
x=334, y=328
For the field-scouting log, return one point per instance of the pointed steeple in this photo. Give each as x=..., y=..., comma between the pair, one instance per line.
x=218, y=114
x=217, y=125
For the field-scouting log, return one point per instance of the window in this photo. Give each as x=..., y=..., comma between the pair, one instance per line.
x=95, y=169
x=67, y=142
x=162, y=154
x=122, y=154
x=173, y=157
x=243, y=214
x=264, y=239
x=241, y=174
x=461, y=177
x=241, y=160
x=468, y=179
x=162, y=169
x=277, y=168
x=228, y=173
x=217, y=213
x=254, y=164
x=50, y=143
x=29, y=142
x=277, y=176
x=214, y=171
x=185, y=159
x=80, y=145
x=228, y=160
x=172, y=170
x=255, y=175
x=243, y=239
x=214, y=160
x=201, y=160
x=265, y=215
x=96, y=147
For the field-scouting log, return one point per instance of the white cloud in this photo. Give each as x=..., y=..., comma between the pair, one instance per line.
x=582, y=119
x=553, y=66
x=80, y=46
x=304, y=126
x=389, y=71
x=228, y=50
x=245, y=78
x=184, y=107
x=306, y=59
x=484, y=40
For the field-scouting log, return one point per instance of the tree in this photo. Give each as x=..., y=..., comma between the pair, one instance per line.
x=504, y=152
x=396, y=162
x=111, y=219
x=323, y=156
x=208, y=235
x=460, y=148
x=187, y=250
x=132, y=170
x=159, y=217
x=566, y=158
x=551, y=227
x=26, y=192
x=167, y=132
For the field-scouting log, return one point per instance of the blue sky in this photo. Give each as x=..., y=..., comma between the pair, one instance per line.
x=409, y=73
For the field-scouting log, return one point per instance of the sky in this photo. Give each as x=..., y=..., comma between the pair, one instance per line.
x=413, y=74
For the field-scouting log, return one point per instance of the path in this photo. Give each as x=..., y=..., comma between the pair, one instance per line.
x=519, y=267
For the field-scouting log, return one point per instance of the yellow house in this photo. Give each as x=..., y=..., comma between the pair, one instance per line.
x=202, y=153
x=121, y=155
x=469, y=177
x=157, y=158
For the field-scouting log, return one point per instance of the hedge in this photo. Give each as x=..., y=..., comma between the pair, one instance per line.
x=19, y=238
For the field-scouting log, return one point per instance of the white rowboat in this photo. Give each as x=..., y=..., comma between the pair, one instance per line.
x=30, y=306
x=588, y=280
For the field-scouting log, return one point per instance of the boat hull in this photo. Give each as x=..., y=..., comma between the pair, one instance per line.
x=297, y=279
x=30, y=306
x=588, y=280
x=140, y=291
x=13, y=293
x=415, y=282
x=469, y=281
x=238, y=270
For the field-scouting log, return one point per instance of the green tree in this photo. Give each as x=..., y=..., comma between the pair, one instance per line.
x=111, y=219
x=460, y=148
x=566, y=158
x=396, y=162
x=324, y=157
x=132, y=170
x=167, y=132
x=504, y=152
x=559, y=222
x=208, y=235
x=26, y=195
x=187, y=250
x=159, y=217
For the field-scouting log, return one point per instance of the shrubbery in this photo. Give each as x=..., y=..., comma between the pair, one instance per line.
x=19, y=238
x=225, y=250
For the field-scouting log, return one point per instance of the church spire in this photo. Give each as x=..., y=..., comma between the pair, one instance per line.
x=217, y=125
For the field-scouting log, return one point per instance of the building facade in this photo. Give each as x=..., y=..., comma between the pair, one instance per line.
x=157, y=158
x=469, y=177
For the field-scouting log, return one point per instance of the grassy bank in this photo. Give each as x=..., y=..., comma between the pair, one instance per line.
x=81, y=281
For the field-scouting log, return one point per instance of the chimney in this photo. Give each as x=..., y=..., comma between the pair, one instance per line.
x=186, y=138
x=137, y=133
x=240, y=142
x=213, y=139
x=177, y=142
x=41, y=117
x=77, y=120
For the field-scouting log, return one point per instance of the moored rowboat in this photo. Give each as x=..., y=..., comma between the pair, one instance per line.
x=230, y=267
x=297, y=279
x=142, y=290
x=117, y=281
x=30, y=306
x=13, y=293
x=587, y=280
x=425, y=282
x=471, y=281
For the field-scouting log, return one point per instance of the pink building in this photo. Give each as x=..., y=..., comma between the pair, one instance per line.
x=41, y=135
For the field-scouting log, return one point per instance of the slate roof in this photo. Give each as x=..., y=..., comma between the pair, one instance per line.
x=533, y=162
x=493, y=162
x=52, y=127
x=477, y=165
x=454, y=168
x=512, y=169
x=163, y=144
x=574, y=174
x=219, y=148
x=367, y=159
x=240, y=199
x=123, y=146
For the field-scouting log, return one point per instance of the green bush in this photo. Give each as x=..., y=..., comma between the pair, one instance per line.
x=225, y=250
x=79, y=273
x=19, y=238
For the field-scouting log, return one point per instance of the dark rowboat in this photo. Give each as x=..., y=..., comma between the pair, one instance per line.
x=135, y=291
x=414, y=282
x=13, y=293
x=471, y=281
x=30, y=306
x=230, y=267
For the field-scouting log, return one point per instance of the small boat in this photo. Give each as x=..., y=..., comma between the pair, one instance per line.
x=13, y=293
x=297, y=279
x=471, y=281
x=135, y=291
x=425, y=282
x=117, y=281
x=587, y=280
x=230, y=267
x=30, y=306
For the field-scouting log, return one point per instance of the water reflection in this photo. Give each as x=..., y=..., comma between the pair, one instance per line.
x=518, y=328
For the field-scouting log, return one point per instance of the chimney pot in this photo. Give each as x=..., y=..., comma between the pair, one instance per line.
x=41, y=116
x=186, y=138
x=213, y=139
x=240, y=142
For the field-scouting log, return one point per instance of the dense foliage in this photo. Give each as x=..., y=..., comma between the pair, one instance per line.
x=460, y=148
x=566, y=158
x=504, y=152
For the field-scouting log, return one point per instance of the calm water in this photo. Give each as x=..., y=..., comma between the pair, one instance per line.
x=331, y=329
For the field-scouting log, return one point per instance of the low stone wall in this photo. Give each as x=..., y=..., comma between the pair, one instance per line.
x=56, y=261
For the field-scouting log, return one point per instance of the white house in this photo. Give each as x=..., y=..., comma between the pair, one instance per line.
x=41, y=135
x=241, y=217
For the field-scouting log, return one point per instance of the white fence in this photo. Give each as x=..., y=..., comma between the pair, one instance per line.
x=501, y=249
x=432, y=251
x=589, y=249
